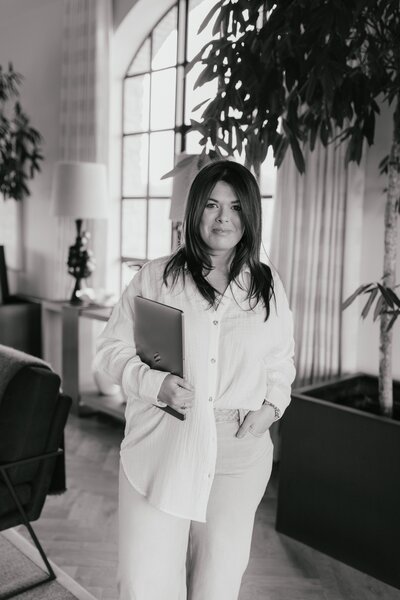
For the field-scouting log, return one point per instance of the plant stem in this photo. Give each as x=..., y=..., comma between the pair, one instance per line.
x=389, y=268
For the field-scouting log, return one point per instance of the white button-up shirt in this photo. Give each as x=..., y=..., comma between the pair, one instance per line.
x=233, y=358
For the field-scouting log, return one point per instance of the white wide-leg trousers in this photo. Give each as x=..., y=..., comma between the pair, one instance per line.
x=163, y=557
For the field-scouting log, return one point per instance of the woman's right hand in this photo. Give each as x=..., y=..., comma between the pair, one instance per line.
x=176, y=392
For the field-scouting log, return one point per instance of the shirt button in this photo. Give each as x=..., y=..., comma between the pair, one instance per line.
x=209, y=476
x=213, y=361
x=210, y=399
x=215, y=322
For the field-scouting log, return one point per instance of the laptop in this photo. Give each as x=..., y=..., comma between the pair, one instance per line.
x=159, y=339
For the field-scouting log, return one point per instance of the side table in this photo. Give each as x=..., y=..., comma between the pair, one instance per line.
x=77, y=351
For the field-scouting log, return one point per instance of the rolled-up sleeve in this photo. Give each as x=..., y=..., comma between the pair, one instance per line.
x=116, y=350
x=280, y=364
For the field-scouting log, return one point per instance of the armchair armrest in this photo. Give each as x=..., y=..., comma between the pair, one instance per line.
x=24, y=461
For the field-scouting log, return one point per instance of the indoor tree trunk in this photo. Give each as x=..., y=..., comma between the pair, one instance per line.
x=389, y=268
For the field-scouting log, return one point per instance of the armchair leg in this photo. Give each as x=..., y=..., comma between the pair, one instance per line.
x=50, y=573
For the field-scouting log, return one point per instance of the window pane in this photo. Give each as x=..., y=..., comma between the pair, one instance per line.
x=192, y=142
x=163, y=99
x=159, y=228
x=134, y=228
x=136, y=103
x=135, y=165
x=195, y=96
x=198, y=10
x=268, y=175
x=164, y=41
x=141, y=62
x=161, y=161
x=267, y=205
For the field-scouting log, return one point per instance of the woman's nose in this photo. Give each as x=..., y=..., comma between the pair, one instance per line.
x=223, y=215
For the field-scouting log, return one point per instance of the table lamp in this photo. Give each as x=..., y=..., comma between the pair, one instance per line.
x=80, y=192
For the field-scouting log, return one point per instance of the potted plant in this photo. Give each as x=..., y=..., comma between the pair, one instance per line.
x=291, y=73
x=20, y=143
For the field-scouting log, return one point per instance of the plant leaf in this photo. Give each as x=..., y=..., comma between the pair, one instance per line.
x=200, y=105
x=378, y=308
x=181, y=164
x=210, y=15
x=373, y=293
x=384, y=165
x=196, y=59
x=393, y=296
x=297, y=154
x=358, y=292
x=386, y=295
x=392, y=321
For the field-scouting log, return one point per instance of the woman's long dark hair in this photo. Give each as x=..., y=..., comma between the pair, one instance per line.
x=194, y=253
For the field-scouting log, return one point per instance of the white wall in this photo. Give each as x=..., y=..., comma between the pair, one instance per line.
x=121, y=8
x=30, y=37
x=372, y=248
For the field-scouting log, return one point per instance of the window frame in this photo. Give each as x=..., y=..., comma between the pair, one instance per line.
x=180, y=128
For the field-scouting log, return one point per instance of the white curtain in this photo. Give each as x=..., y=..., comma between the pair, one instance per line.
x=84, y=105
x=310, y=247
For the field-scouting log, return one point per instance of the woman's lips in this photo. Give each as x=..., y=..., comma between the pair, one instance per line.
x=222, y=231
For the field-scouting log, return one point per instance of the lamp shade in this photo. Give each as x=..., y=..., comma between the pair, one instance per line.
x=80, y=190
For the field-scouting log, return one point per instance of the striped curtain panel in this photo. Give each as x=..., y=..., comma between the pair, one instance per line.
x=310, y=243
x=84, y=106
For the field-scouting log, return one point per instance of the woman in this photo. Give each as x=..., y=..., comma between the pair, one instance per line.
x=189, y=489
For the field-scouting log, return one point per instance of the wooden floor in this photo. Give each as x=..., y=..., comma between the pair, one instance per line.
x=78, y=531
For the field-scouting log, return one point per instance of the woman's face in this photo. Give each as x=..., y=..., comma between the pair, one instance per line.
x=221, y=226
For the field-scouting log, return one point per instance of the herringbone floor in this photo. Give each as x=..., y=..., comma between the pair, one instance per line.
x=78, y=531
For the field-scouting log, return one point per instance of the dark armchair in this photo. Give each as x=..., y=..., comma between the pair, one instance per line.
x=33, y=415
x=20, y=319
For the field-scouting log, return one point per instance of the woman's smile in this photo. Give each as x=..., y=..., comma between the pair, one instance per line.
x=222, y=231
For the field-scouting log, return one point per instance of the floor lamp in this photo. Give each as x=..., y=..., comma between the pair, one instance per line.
x=80, y=192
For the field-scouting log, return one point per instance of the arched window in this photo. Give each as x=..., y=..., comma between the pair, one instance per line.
x=158, y=100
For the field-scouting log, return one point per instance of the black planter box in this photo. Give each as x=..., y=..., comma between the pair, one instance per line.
x=339, y=476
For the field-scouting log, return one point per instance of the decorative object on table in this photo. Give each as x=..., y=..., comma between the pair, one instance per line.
x=81, y=263
x=20, y=143
x=80, y=192
x=98, y=297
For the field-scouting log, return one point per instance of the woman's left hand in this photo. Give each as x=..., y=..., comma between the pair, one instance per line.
x=257, y=421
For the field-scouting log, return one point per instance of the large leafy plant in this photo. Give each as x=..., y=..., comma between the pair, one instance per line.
x=20, y=143
x=294, y=71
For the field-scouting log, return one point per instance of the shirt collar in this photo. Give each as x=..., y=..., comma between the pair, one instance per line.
x=244, y=269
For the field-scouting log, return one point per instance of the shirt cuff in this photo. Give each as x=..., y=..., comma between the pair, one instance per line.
x=277, y=410
x=279, y=396
x=150, y=382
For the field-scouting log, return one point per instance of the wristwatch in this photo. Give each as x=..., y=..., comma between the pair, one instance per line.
x=276, y=409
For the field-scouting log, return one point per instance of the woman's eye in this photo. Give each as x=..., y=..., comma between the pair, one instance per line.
x=210, y=204
x=237, y=207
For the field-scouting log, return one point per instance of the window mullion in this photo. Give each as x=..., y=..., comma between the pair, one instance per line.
x=148, y=148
